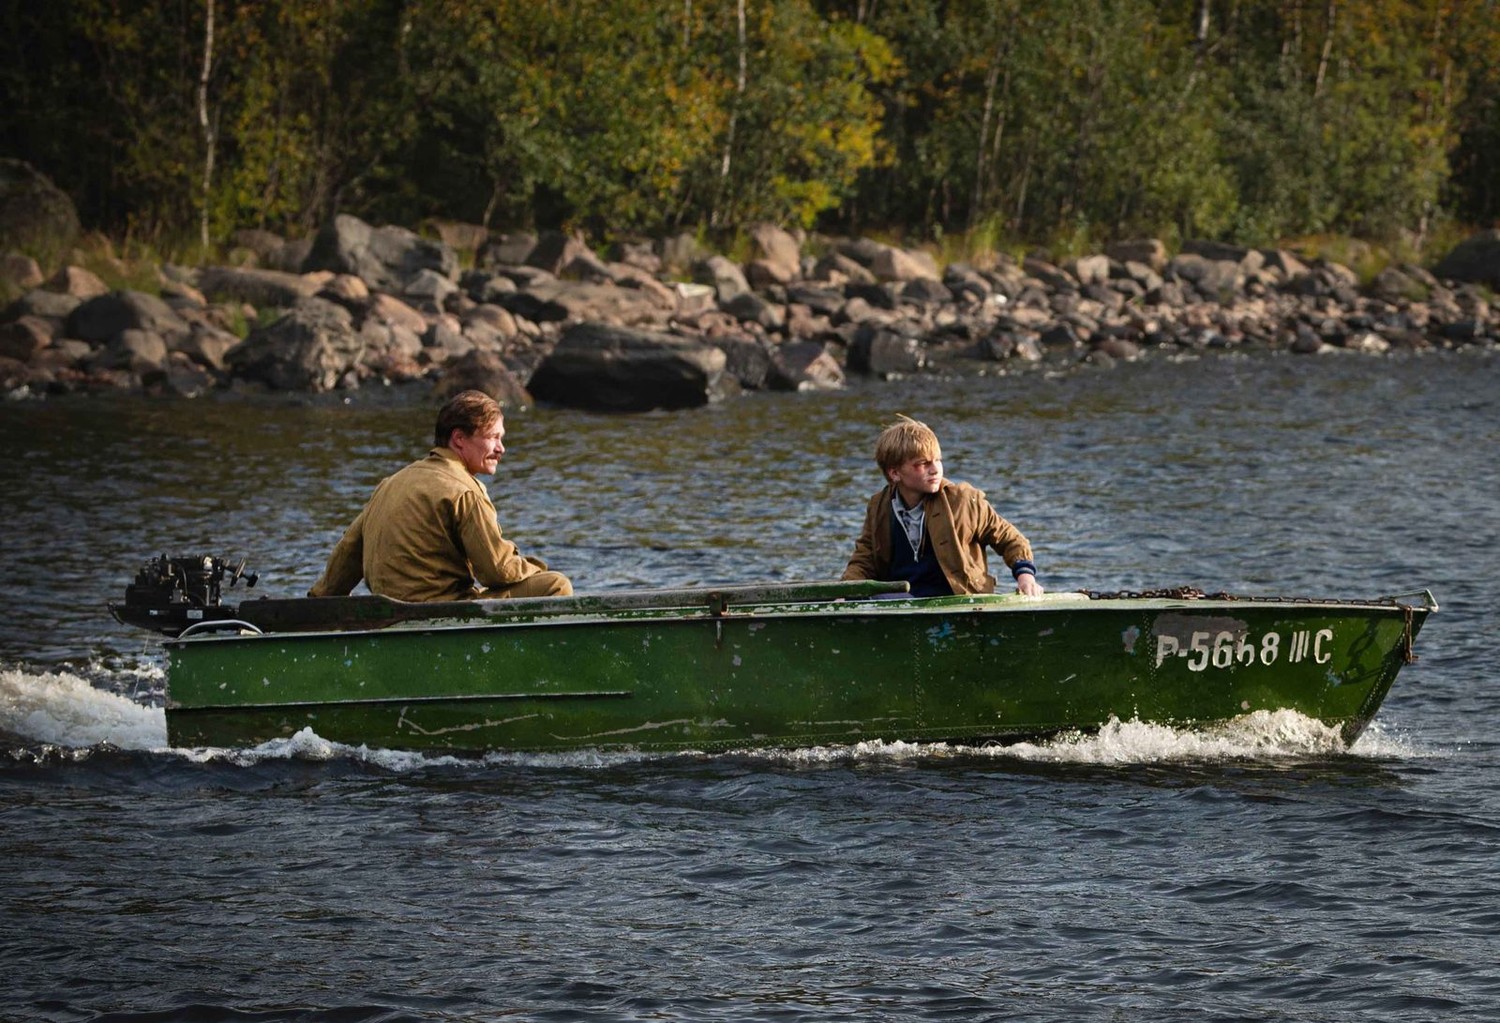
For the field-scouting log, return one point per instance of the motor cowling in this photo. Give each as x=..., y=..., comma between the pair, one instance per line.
x=171, y=593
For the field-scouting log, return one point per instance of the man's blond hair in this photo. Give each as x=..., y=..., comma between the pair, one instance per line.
x=904, y=440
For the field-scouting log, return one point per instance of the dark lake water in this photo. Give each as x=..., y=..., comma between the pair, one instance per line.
x=1254, y=873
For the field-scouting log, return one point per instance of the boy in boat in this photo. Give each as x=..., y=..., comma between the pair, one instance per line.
x=430, y=531
x=930, y=531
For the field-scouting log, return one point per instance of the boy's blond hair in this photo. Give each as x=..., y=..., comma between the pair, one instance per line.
x=904, y=440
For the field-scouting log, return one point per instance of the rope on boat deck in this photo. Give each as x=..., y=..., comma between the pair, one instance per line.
x=1171, y=593
x=1193, y=593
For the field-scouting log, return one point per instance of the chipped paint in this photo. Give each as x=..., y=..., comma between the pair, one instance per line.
x=649, y=726
x=405, y=723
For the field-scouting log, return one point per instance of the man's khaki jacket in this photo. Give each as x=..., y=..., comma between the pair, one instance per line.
x=427, y=533
x=960, y=524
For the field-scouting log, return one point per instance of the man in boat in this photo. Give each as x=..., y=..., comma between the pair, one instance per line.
x=930, y=531
x=429, y=532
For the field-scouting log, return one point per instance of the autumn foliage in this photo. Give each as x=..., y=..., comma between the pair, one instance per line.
x=1248, y=120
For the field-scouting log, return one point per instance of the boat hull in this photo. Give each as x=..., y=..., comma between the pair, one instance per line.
x=959, y=669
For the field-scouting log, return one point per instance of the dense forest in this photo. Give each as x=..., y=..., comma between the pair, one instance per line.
x=1244, y=120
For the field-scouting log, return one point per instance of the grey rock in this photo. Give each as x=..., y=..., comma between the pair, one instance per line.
x=1149, y=251
x=136, y=351
x=310, y=348
x=578, y=301
x=208, y=346
x=886, y=354
x=597, y=366
x=487, y=372
x=102, y=319
x=186, y=378
x=747, y=359
x=748, y=307
x=723, y=275
x=386, y=258
x=927, y=291
x=555, y=250
x=893, y=264
x=844, y=267
x=429, y=287
x=804, y=366
x=35, y=215
x=506, y=250
x=258, y=287
x=22, y=338
x=823, y=301
x=1476, y=259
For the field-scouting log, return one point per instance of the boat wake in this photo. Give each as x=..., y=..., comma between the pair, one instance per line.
x=64, y=709
x=1262, y=735
x=60, y=709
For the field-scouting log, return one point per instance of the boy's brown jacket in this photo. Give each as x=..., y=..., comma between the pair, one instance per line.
x=960, y=524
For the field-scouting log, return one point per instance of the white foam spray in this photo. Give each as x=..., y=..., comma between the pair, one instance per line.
x=1261, y=735
x=62, y=709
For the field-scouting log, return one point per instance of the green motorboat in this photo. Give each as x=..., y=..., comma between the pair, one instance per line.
x=784, y=665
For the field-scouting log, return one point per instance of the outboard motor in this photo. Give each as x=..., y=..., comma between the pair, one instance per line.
x=170, y=594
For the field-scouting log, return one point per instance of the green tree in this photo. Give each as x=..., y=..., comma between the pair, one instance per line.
x=807, y=121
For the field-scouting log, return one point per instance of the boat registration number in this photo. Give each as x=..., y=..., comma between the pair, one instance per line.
x=1225, y=649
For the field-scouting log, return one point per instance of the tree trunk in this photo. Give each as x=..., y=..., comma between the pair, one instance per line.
x=739, y=97
x=206, y=123
x=1327, y=49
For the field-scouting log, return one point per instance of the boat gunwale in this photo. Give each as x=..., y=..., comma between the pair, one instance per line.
x=966, y=604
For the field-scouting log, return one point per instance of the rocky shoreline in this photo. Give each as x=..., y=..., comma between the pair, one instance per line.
x=665, y=325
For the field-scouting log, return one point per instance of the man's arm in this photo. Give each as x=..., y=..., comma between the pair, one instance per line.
x=346, y=565
x=494, y=560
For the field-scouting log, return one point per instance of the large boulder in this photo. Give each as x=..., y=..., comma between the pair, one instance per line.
x=749, y=358
x=838, y=268
x=136, y=351
x=554, y=301
x=386, y=258
x=1149, y=251
x=102, y=319
x=40, y=302
x=487, y=372
x=265, y=246
x=76, y=281
x=778, y=258
x=1215, y=279
x=308, y=349
x=885, y=353
x=723, y=275
x=22, y=338
x=258, y=287
x=208, y=346
x=748, y=307
x=1475, y=260
x=506, y=250
x=616, y=369
x=554, y=251
x=20, y=271
x=893, y=264
x=35, y=215
x=804, y=366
